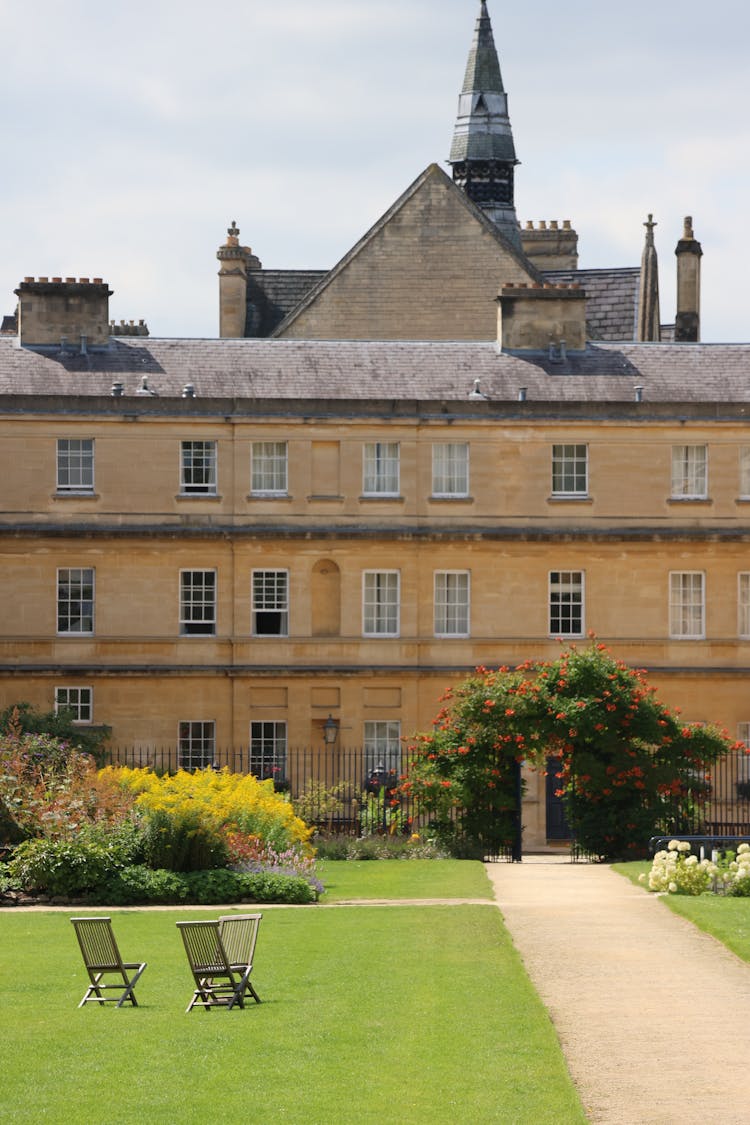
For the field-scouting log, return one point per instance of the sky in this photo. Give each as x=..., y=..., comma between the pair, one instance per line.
x=133, y=134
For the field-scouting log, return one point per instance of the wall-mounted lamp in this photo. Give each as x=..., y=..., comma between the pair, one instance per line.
x=330, y=731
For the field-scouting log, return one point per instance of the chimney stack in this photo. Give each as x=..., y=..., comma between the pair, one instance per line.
x=687, y=329
x=49, y=311
x=530, y=316
x=235, y=261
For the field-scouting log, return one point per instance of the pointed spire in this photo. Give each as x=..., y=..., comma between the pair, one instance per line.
x=649, y=320
x=483, y=155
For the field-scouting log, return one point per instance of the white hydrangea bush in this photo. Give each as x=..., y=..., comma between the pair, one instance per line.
x=675, y=870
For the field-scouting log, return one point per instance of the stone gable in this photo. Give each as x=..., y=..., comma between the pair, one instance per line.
x=430, y=269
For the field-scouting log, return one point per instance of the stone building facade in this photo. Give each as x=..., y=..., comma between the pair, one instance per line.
x=451, y=451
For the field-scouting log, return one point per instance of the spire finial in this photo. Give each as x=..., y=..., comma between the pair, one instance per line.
x=483, y=155
x=649, y=319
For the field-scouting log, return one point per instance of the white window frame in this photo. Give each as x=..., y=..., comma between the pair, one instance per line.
x=745, y=472
x=381, y=603
x=79, y=700
x=687, y=605
x=690, y=472
x=269, y=468
x=569, y=584
x=198, y=462
x=81, y=622
x=450, y=469
x=196, y=744
x=570, y=469
x=452, y=603
x=382, y=746
x=195, y=620
x=269, y=594
x=268, y=749
x=743, y=604
x=75, y=465
x=381, y=468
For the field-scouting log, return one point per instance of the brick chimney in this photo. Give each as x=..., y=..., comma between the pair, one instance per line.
x=537, y=317
x=50, y=309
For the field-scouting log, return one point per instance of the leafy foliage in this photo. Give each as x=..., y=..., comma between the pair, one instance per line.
x=627, y=764
x=76, y=865
x=139, y=884
x=188, y=816
x=466, y=771
x=49, y=788
x=22, y=718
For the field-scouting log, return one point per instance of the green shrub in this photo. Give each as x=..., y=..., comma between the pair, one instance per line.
x=208, y=887
x=140, y=884
x=7, y=881
x=204, y=888
x=73, y=867
x=378, y=847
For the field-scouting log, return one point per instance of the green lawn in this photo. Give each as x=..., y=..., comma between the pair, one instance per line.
x=633, y=870
x=413, y=878
x=727, y=919
x=370, y=1014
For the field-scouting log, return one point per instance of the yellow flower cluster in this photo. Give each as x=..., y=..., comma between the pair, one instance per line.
x=215, y=800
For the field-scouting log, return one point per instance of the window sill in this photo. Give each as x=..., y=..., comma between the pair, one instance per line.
x=570, y=498
x=75, y=496
x=269, y=496
x=382, y=498
x=198, y=496
x=705, y=500
x=457, y=499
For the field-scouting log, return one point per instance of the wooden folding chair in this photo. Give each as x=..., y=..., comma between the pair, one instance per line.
x=239, y=933
x=102, y=958
x=217, y=983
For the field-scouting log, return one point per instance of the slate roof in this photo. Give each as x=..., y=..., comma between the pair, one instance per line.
x=358, y=371
x=611, y=300
x=272, y=294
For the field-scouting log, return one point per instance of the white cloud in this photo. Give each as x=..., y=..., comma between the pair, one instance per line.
x=135, y=133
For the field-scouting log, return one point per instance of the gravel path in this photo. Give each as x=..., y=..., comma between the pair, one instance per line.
x=653, y=1016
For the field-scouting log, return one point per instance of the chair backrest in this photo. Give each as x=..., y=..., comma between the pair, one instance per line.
x=239, y=933
x=97, y=942
x=203, y=946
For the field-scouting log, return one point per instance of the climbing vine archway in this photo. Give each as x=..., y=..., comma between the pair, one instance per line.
x=624, y=759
